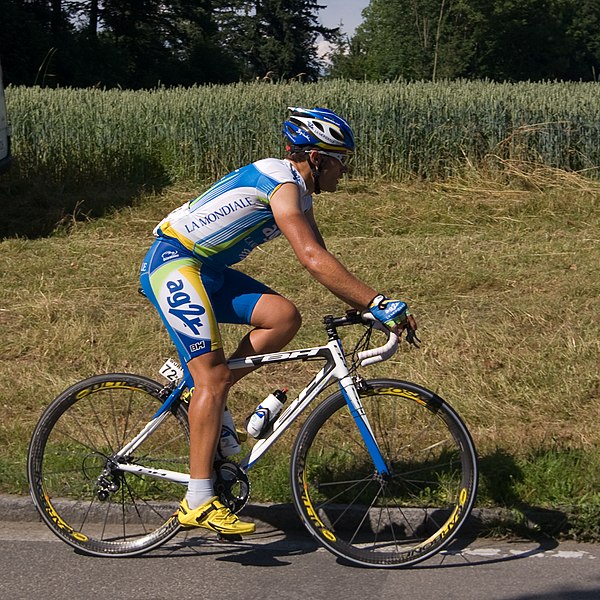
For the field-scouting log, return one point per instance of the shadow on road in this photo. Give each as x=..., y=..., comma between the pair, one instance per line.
x=268, y=548
x=271, y=548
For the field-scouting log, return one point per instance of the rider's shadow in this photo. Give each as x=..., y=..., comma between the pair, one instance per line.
x=267, y=548
x=280, y=534
x=271, y=546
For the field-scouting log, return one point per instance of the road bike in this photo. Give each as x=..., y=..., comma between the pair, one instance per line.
x=383, y=473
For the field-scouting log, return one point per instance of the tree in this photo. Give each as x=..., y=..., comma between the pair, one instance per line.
x=519, y=40
x=506, y=40
x=411, y=39
x=31, y=35
x=348, y=58
x=152, y=42
x=144, y=43
x=583, y=29
x=127, y=43
x=277, y=38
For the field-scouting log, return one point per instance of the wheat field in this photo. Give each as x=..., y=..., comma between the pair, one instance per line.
x=423, y=129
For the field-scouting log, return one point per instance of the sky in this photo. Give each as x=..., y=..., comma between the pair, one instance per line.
x=345, y=11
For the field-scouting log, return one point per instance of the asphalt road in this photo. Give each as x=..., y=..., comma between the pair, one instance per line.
x=273, y=565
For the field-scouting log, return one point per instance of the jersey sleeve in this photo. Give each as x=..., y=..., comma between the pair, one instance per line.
x=283, y=171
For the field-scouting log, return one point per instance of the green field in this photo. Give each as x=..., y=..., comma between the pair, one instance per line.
x=501, y=267
x=423, y=129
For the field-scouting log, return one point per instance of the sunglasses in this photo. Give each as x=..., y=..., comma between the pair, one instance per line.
x=341, y=157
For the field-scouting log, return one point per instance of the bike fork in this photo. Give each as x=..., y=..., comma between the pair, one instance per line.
x=362, y=422
x=350, y=393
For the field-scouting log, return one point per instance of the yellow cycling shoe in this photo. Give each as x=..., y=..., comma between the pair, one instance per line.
x=215, y=516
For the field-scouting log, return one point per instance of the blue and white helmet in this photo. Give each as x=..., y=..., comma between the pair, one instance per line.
x=318, y=128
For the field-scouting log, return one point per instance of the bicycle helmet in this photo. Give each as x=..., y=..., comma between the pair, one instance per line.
x=318, y=128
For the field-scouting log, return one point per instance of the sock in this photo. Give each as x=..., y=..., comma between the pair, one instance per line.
x=199, y=492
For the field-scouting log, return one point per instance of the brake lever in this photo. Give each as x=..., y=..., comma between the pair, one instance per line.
x=411, y=336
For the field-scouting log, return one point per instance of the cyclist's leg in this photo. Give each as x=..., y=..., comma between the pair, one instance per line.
x=182, y=290
x=211, y=385
x=243, y=300
x=179, y=286
x=201, y=507
x=276, y=321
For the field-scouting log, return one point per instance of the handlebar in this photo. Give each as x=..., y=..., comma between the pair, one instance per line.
x=381, y=353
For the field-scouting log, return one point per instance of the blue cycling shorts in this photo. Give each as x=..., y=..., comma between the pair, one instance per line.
x=192, y=299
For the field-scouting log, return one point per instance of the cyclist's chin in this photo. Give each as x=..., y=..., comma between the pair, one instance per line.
x=330, y=186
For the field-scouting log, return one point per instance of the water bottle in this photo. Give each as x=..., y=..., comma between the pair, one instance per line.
x=265, y=413
x=228, y=442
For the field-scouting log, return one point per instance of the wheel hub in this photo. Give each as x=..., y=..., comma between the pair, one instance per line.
x=109, y=480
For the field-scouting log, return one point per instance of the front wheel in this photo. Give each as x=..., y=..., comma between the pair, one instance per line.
x=77, y=485
x=395, y=520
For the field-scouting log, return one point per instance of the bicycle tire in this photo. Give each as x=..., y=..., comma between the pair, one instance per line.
x=394, y=522
x=73, y=442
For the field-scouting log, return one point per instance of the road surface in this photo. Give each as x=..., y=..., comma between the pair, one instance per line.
x=276, y=566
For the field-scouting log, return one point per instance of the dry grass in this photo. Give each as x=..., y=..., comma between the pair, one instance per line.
x=503, y=275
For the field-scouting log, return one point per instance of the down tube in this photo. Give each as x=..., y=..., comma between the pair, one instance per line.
x=358, y=413
x=293, y=411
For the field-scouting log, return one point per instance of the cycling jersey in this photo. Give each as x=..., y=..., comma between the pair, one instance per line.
x=186, y=273
x=223, y=225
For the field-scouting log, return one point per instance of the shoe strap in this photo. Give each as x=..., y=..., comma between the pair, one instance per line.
x=211, y=507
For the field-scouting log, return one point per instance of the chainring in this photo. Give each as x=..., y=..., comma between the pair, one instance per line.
x=232, y=485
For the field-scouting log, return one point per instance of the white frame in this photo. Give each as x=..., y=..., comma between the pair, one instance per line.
x=336, y=368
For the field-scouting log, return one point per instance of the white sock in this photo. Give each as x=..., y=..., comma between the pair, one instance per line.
x=199, y=492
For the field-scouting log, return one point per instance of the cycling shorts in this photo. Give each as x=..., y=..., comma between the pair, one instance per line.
x=192, y=298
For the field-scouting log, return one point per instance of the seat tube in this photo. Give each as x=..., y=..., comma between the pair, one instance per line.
x=357, y=411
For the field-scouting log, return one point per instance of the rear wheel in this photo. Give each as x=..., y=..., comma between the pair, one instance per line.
x=76, y=484
x=396, y=520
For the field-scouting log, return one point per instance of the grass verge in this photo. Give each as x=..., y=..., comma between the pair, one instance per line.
x=504, y=277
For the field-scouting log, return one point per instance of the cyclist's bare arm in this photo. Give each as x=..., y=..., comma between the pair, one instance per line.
x=307, y=243
x=311, y=219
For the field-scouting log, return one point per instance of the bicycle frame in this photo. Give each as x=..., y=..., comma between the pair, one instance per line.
x=336, y=368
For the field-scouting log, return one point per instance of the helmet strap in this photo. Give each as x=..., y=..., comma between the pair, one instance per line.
x=316, y=174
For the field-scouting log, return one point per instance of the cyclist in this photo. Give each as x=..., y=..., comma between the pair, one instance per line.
x=187, y=276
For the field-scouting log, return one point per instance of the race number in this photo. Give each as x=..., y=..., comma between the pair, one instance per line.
x=171, y=370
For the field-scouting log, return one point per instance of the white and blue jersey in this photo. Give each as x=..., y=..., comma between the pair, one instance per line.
x=223, y=225
x=186, y=273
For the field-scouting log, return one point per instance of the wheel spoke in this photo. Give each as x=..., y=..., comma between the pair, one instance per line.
x=385, y=521
x=78, y=488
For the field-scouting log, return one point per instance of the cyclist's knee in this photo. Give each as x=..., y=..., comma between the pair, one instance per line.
x=286, y=320
x=210, y=374
x=277, y=314
x=290, y=317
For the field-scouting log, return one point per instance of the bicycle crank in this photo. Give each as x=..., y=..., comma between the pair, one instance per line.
x=232, y=485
